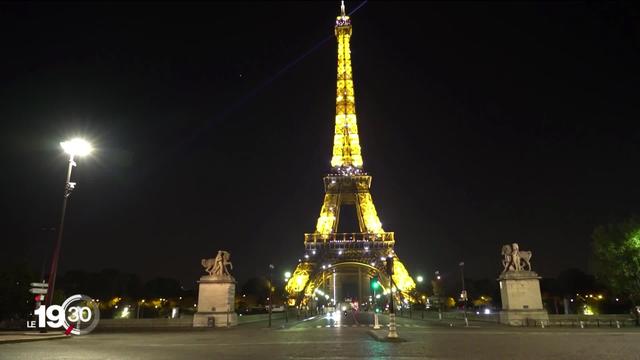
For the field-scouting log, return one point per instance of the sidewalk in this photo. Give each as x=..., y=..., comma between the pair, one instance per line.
x=8, y=337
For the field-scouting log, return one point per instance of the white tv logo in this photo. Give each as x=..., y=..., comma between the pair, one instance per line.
x=77, y=315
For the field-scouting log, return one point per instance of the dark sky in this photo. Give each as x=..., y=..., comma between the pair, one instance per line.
x=481, y=124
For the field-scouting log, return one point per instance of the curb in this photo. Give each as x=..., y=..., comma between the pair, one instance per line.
x=34, y=338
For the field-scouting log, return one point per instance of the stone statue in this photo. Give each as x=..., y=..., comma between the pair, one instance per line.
x=218, y=265
x=515, y=259
x=216, y=293
x=520, y=288
x=208, y=265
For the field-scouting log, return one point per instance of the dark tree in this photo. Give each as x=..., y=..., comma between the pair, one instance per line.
x=15, y=300
x=102, y=285
x=162, y=287
x=616, y=250
x=574, y=281
x=257, y=287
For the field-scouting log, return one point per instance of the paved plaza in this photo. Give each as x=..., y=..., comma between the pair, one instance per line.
x=341, y=337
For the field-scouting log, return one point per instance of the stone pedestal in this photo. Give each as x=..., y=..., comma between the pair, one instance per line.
x=521, y=299
x=216, y=302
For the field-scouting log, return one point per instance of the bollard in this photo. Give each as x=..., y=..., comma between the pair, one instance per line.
x=542, y=324
x=376, y=324
x=393, y=332
x=618, y=324
x=466, y=322
x=581, y=324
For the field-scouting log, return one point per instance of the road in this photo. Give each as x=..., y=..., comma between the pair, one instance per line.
x=342, y=337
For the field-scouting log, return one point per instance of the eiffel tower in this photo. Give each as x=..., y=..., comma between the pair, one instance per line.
x=331, y=258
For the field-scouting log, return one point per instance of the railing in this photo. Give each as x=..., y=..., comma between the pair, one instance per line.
x=570, y=320
x=582, y=321
x=315, y=237
x=349, y=240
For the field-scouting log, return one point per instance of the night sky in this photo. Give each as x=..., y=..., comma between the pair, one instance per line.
x=481, y=124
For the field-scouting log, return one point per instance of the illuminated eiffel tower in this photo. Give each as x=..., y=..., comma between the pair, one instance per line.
x=333, y=260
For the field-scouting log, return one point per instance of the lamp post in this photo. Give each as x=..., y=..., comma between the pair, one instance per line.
x=438, y=278
x=464, y=294
x=419, y=278
x=271, y=267
x=393, y=332
x=287, y=276
x=74, y=147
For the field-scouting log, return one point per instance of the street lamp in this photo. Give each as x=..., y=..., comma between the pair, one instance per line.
x=464, y=294
x=419, y=279
x=393, y=332
x=439, y=294
x=271, y=267
x=74, y=147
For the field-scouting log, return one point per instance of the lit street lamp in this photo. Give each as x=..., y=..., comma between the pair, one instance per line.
x=271, y=267
x=393, y=332
x=420, y=279
x=74, y=147
x=439, y=295
x=464, y=294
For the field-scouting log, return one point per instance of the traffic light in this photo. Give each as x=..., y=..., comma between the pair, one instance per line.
x=375, y=283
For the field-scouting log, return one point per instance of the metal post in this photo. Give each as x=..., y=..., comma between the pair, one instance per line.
x=38, y=303
x=270, y=292
x=410, y=310
x=464, y=295
x=437, y=281
x=68, y=187
x=374, y=299
x=393, y=332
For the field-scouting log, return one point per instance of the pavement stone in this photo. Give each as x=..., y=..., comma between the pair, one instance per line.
x=341, y=340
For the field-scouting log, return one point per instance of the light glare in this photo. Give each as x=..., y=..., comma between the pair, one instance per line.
x=76, y=146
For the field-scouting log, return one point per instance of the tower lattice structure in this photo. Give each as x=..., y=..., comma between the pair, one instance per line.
x=347, y=184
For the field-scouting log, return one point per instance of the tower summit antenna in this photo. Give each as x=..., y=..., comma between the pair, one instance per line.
x=342, y=8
